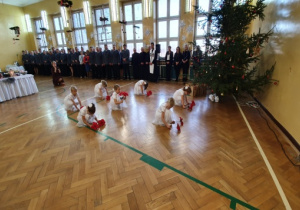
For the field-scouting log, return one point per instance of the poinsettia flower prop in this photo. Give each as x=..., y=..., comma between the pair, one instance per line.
x=149, y=93
x=101, y=122
x=108, y=98
x=178, y=128
x=192, y=105
x=94, y=126
x=181, y=121
x=123, y=94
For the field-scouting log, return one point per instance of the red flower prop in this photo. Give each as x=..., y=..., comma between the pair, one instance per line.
x=94, y=126
x=81, y=107
x=108, y=98
x=149, y=93
x=101, y=123
x=123, y=94
x=178, y=128
x=181, y=121
x=192, y=105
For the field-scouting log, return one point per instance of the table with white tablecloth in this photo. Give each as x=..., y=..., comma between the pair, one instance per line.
x=23, y=85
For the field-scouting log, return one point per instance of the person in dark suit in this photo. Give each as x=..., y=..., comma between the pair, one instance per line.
x=125, y=54
x=135, y=61
x=169, y=62
x=116, y=62
x=46, y=63
x=143, y=67
x=177, y=62
x=92, y=62
x=186, y=55
x=106, y=62
x=98, y=63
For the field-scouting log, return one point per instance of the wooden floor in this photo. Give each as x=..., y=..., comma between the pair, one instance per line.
x=46, y=162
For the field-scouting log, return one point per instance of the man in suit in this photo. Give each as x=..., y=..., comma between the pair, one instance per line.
x=143, y=67
x=93, y=61
x=116, y=62
x=169, y=62
x=135, y=61
x=185, y=62
x=99, y=62
x=106, y=62
x=125, y=54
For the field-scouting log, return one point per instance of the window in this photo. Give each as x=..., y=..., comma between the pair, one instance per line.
x=103, y=28
x=40, y=35
x=168, y=24
x=80, y=30
x=59, y=32
x=134, y=26
x=201, y=27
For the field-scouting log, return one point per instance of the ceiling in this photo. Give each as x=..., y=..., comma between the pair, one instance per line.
x=20, y=3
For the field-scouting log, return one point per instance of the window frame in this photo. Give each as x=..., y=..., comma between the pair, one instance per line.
x=40, y=34
x=106, y=26
x=136, y=42
x=168, y=20
x=81, y=29
x=60, y=32
x=201, y=38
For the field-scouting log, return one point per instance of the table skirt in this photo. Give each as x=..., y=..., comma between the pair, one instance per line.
x=22, y=86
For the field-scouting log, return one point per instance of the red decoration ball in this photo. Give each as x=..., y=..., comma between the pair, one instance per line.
x=243, y=77
x=275, y=83
x=225, y=53
x=233, y=66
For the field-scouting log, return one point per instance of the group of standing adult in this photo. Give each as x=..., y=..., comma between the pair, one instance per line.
x=107, y=64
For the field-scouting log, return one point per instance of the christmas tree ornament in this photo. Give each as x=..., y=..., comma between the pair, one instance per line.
x=243, y=77
x=222, y=94
x=247, y=51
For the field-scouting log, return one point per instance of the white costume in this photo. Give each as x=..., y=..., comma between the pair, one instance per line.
x=89, y=118
x=152, y=56
x=69, y=106
x=97, y=90
x=137, y=88
x=177, y=97
x=159, y=111
x=117, y=106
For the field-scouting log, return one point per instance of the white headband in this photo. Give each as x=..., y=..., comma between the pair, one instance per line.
x=186, y=87
x=90, y=105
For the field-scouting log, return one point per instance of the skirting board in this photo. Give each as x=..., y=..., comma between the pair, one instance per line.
x=288, y=135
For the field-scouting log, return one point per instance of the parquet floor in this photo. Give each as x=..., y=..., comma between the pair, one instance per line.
x=46, y=162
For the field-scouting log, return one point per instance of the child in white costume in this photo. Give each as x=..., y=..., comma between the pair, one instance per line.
x=117, y=102
x=163, y=115
x=140, y=88
x=72, y=100
x=180, y=96
x=86, y=116
x=101, y=89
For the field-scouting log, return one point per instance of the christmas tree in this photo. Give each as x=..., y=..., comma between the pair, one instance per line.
x=229, y=63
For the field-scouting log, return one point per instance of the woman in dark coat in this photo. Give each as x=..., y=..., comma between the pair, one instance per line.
x=177, y=62
x=56, y=75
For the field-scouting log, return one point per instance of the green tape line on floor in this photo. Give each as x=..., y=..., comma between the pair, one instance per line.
x=160, y=165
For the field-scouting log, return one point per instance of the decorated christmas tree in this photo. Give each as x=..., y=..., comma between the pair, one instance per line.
x=229, y=64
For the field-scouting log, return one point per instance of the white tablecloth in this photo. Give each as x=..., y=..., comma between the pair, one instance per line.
x=23, y=86
x=14, y=68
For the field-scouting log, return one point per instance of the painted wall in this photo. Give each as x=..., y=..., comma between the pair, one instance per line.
x=11, y=16
x=283, y=100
